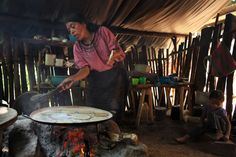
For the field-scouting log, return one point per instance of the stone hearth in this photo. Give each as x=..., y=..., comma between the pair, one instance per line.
x=31, y=139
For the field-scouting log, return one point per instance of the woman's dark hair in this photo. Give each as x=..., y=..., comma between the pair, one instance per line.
x=217, y=94
x=92, y=27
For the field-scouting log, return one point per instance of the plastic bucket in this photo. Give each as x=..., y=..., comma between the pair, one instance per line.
x=135, y=81
x=142, y=80
x=175, y=113
x=160, y=113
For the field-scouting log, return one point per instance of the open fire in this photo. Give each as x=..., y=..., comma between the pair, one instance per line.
x=76, y=143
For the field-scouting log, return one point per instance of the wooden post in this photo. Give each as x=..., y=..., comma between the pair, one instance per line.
x=16, y=71
x=150, y=59
x=184, y=55
x=6, y=67
x=30, y=66
x=195, y=57
x=163, y=62
x=188, y=57
x=1, y=84
x=160, y=69
x=143, y=55
x=155, y=60
x=167, y=62
x=179, y=61
x=227, y=38
x=1, y=74
x=204, y=48
x=22, y=68
x=215, y=38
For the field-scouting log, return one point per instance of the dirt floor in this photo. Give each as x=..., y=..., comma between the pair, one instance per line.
x=159, y=137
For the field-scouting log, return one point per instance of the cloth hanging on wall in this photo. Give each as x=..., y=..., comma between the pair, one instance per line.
x=222, y=62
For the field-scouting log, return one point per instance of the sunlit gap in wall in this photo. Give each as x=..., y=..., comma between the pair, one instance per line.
x=20, y=77
x=15, y=82
x=27, y=77
x=234, y=77
x=51, y=73
x=3, y=82
x=195, y=34
x=207, y=66
x=35, y=74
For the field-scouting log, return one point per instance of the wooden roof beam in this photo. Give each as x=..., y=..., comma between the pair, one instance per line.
x=133, y=32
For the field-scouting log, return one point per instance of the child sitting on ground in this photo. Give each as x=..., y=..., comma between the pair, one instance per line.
x=214, y=120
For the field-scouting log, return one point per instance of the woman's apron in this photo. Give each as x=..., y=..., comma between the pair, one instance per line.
x=108, y=90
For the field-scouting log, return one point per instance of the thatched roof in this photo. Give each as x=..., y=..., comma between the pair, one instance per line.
x=160, y=17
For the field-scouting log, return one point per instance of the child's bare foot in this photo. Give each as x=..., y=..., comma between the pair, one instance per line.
x=219, y=135
x=182, y=139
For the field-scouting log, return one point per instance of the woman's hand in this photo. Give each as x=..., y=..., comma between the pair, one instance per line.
x=115, y=56
x=66, y=84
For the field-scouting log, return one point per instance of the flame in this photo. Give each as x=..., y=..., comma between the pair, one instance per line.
x=82, y=150
x=74, y=142
x=91, y=152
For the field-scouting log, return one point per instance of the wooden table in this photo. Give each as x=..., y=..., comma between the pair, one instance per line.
x=7, y=117
x=181, y=87
x=144, y=90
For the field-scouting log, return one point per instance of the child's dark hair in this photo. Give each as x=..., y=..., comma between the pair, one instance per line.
x=76, y=17
x=217, y=94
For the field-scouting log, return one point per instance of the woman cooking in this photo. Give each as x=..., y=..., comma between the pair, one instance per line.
x=99, y=58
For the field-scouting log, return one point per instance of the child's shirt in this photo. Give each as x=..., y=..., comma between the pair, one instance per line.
x=216, y=118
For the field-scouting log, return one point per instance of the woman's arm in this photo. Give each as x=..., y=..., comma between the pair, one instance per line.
x=68, y=82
